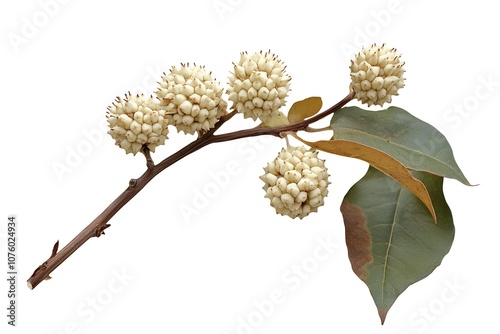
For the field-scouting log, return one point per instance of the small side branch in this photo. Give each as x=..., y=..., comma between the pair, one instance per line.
x=147, y=153
x=312, y=130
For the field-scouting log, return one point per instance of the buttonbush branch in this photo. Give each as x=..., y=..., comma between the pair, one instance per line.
x=100, y=223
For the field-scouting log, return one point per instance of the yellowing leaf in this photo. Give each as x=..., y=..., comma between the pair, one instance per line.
x=306, y=108
x=381, y=161
x=275, y=121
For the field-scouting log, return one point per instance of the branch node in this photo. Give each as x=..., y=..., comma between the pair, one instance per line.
x=132, y=183
x=100, y=230
x=54, y=249
x=43, y=266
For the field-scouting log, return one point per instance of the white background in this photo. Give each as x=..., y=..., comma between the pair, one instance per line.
x=206, y=272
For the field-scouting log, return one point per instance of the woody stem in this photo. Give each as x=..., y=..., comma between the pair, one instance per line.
x=100, y=223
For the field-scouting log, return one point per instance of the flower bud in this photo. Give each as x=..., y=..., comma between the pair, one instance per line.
x=296, y=182
x=258, y=85
x=376, y=75
x=135, y=121
x=191, y=98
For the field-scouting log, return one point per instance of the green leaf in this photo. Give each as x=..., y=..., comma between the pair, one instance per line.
x=416, y=144
x=303, y=109
x=391, y=237
x=380, y=160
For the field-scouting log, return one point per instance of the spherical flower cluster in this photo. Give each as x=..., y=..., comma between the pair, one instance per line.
x=296, y=182
x=258, y=86
x=376, y=74
x=135, y=121
x=191, y=98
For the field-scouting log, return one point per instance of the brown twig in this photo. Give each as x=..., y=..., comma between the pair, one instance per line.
x=98, y=225
x=147, y=153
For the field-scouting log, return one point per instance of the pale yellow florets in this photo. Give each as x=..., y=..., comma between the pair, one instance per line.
x=258, y=85
x=136, y=121
x=377, y=75
x=191, y=98
x=296, y=182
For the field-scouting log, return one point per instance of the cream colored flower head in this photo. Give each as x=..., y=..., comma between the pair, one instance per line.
x=191, y=98
x=136, y=121
x=296, y=182
x=258, y=85
x=377, y=75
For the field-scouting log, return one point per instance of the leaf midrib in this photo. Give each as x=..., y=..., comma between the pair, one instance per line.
x=389, y=245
